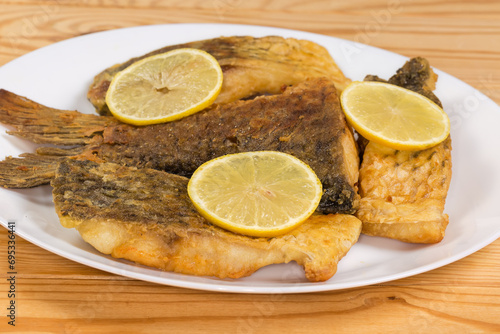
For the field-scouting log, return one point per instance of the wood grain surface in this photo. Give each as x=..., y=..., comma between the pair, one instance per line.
x=56, y=295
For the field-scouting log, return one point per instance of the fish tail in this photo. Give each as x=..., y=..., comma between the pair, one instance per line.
x=69, y=130
x=40, y=124
x=33, y=169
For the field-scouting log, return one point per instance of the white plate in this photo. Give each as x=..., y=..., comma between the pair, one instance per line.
x=59, y=75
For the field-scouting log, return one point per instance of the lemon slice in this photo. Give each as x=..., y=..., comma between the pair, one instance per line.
x=165, y=87
x=264, y=193
x=393, y=116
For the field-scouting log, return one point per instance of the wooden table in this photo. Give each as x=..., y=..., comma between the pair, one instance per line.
x=56, y=295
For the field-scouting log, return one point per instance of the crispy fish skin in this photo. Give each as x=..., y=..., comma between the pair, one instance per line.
x=146, y=216
x=305, y=121
x=251, y=66
x=403, y=193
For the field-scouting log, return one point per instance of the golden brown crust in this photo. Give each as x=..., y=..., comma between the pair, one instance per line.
x=317, y=245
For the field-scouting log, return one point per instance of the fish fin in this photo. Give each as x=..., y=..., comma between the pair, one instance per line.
x=34, y=169
x=29, y=170
x=40, y=124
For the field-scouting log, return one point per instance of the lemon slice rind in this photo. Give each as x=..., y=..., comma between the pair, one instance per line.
x=262, y=198
x=165, y=87
x=394, y=116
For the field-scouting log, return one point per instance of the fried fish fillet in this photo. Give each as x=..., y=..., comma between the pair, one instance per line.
x=403, y=193
x=305, y=120
x=251, y=66
x=146, y=216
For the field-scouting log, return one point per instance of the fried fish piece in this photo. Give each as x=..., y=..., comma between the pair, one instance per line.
x=251, y=66
x=305, y=121
x=403, y=193
x=146, y=216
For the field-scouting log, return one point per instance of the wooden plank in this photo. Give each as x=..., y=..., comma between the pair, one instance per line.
x=132, y=306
